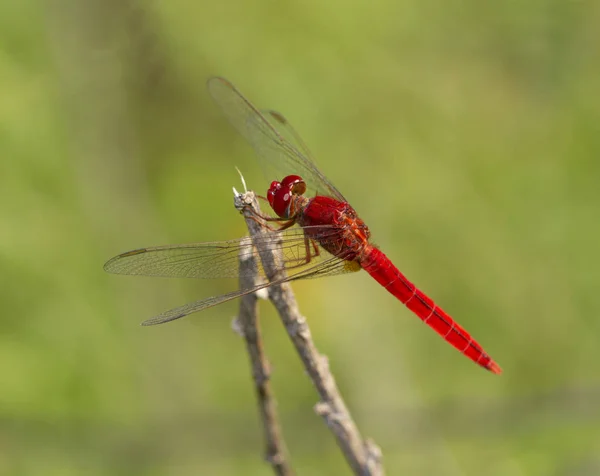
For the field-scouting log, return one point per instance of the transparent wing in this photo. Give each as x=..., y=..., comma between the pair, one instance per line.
x=329, y=267
x=287, y=131
x=278, y=146
x=220, y=259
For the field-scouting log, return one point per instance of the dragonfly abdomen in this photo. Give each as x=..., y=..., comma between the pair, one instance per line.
x=379, y=266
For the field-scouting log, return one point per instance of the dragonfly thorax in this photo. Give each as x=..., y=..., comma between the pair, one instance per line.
x=283, y=195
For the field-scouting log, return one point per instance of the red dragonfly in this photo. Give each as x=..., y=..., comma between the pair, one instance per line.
x=331, y=239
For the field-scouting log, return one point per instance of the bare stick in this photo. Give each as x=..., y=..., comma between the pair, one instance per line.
x=247, y=325
x=364, y=457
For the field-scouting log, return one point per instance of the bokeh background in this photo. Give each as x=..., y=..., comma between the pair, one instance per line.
x=467, y=135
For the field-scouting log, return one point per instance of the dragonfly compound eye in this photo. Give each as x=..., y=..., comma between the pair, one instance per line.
x=280, y=194
x=294, y=183
x=272, y=192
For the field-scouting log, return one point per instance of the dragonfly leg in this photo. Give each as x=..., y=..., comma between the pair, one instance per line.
x=315, y=247
x=286, y=224
x=283, y=224
x=261, y=218
x=309, y=253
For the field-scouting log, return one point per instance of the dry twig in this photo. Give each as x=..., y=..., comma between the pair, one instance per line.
x=247, y=324
x=363, y=456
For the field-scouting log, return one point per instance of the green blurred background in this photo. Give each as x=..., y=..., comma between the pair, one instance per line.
x=467, y=135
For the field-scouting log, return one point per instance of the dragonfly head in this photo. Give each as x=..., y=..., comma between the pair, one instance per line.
x=280, y=195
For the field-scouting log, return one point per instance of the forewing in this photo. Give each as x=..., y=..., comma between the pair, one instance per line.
x=220, y=259
x=278, y=146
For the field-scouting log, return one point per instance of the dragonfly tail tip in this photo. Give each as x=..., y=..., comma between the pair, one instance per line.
x=494, y=367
